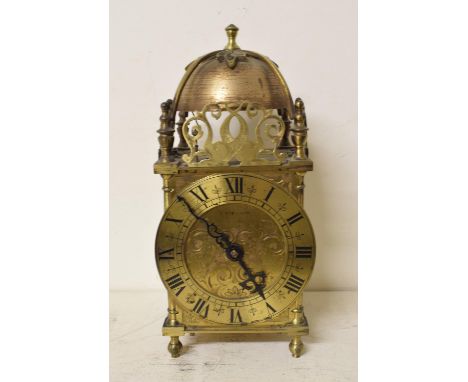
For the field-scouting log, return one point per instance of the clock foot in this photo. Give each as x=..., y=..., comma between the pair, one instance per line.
x=296, y=346
x=174, y=347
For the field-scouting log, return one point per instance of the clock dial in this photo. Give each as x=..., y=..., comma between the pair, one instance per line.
x=235, y=249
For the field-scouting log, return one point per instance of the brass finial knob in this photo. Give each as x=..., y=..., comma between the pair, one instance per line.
x=299, y=131
x=231, y=31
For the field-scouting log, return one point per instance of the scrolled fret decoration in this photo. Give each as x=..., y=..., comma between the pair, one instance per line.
x=274, y=128
x=193, y=132
x=230, y=149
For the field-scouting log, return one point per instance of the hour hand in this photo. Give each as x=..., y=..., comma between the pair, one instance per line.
x=255, y=283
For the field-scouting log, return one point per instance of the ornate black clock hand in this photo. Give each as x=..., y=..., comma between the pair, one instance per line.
x=255, y=282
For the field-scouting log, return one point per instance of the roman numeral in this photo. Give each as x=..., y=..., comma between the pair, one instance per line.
x=293, y=219
x=166, y=254
x=270, y=309
x=269, y=194
x=303, y=252
x=235, y=184
x=201, y=308
x=201, y=194
x=176, y=282
x=174, y=220
x=294, y=283
x=235, y=316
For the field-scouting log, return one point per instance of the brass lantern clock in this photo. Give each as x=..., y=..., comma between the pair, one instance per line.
x=234, y=248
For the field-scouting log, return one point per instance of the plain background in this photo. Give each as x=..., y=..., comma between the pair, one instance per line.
x=315, y=45
x=412, y=190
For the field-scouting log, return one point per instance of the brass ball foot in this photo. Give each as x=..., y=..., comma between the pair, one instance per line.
x=296, y=346
x=174, y=347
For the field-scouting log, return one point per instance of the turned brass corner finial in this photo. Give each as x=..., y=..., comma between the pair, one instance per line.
x=299, y=117
x=299, y=131
x=166, y=132
x=231, y=31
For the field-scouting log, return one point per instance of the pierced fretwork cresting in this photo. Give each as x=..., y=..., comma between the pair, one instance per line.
x=261, y=149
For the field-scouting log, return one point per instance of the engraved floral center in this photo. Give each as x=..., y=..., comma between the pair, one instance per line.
x=259, y=235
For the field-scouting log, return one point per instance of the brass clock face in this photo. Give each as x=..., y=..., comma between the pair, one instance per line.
x=235, y=248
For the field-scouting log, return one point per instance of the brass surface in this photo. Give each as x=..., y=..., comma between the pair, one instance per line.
x=243, y=148
x=232, y=75
x=275, y=233
x=255, y=230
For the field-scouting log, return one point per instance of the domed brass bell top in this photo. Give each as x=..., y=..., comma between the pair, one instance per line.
x=232, y=75
x=232, y=87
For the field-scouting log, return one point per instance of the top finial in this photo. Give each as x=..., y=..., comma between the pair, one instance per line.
x=231, y=31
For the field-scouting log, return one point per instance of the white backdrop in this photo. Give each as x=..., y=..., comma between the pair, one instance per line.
x=314, y=42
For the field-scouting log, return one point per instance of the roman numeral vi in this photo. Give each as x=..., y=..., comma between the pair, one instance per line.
x=235, y=316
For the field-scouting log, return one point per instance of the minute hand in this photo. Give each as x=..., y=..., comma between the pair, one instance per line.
x=233, y=251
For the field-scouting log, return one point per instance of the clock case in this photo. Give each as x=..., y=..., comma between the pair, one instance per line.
x=247, y=88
